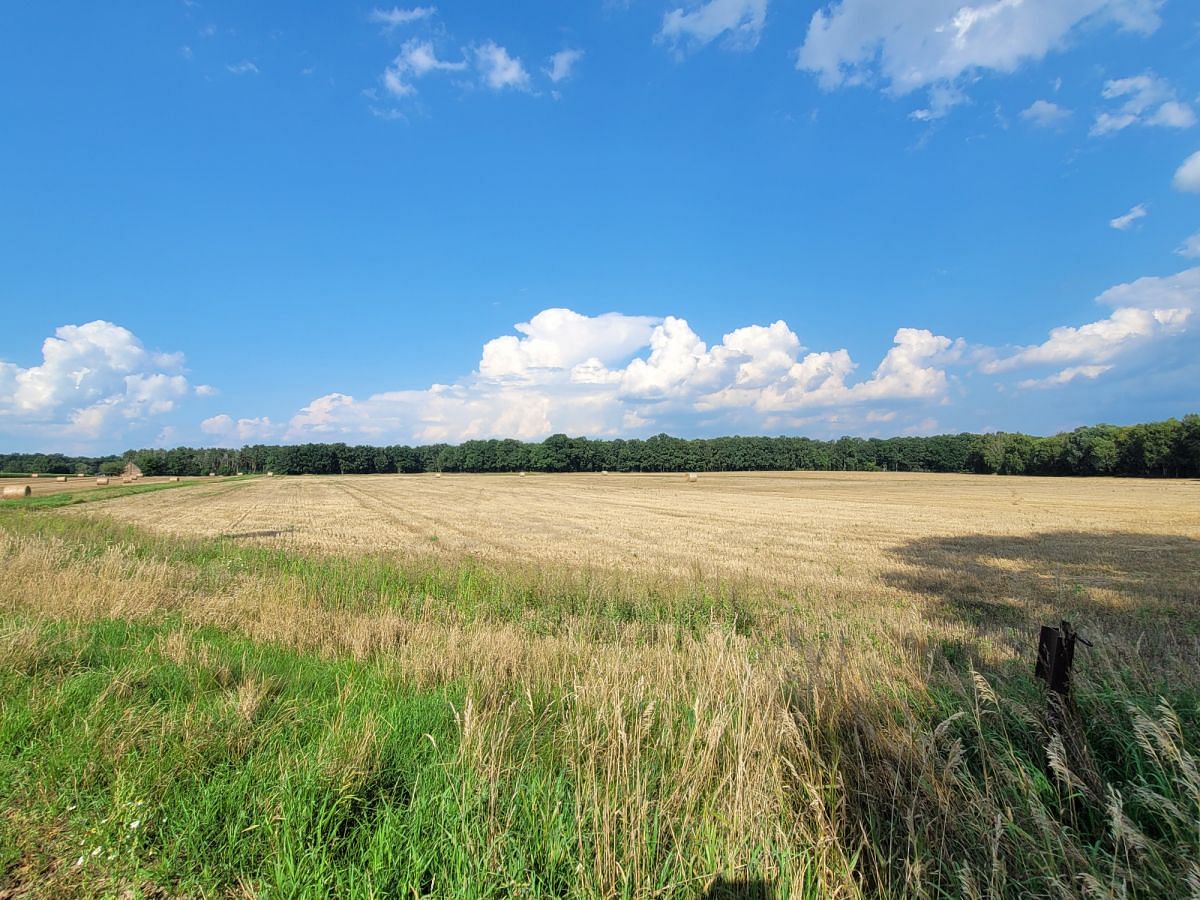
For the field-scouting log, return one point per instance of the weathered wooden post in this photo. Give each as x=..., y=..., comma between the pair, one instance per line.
x=1056, y=655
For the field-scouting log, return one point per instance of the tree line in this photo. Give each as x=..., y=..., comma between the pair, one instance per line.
x=1169, y=449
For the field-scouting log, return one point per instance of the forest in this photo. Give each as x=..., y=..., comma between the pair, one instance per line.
x=1169, y=449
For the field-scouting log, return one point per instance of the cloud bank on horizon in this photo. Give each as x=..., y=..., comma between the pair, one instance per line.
x=615, y=375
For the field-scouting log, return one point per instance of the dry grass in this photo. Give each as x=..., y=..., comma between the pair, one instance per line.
x=845, y=538
x=870, y=727
x=41, y=487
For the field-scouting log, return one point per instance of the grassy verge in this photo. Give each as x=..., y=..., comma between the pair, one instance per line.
x=74, y=498
x=287, y=724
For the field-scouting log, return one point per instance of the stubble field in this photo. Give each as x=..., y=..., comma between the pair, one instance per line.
x=811, y=684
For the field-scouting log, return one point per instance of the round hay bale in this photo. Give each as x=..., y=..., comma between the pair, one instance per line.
x=692, y=476
x=239, y=473
x=437, y=474
x=61, y=478
x=522, y=474
x=173, y=478
x=81, y=475
x=34, y=475
x=212, y=474
x=102, y=480
x=604, y=471
x=269, y=474
x=16, y=491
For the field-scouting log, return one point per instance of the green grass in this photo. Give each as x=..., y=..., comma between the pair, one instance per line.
x=132, y=760
x=73, y=498
x=257, y=767
x=463, y=591
x=141, y=770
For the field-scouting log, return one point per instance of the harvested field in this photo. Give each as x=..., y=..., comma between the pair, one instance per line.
x=813, y=685
x=783, y=530
x=43, y=486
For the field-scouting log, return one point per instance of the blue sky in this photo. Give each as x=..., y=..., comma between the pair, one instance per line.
x=225, y=223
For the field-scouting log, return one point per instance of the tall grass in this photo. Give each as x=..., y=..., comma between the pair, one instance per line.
x=285, y=724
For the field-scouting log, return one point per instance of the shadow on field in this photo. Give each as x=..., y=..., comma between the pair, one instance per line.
x=1005, y=581
x=928, y=772
x=739, y=889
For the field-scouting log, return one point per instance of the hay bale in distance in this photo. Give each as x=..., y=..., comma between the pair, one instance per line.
x=522, y=474
x=102, y=480
x=692, y=476
x=173, y=478
x=212, y=474
x=604, y=471
x=81, y=475
x=16, y=491
x=61, y=478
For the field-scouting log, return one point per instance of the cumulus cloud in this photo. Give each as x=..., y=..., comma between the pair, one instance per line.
x=1099, y=340
x=562, y=63
x=1145, y=100
x=224, y=427
x=245, y=67
x=1145, y=311
x=1187, y=176
x=93, y=378
x=739, y=23
x=615, y=374
x=1064, y=377
x=1045, y=114
x=395, y=17
x=498, y=69
x=1190, y=246
x=923, y=44
x=1125, y=221
x=206, y=390
x=416, y=59
x=560, y=339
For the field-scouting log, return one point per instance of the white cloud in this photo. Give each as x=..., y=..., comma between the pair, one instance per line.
x=221, y=424
x=1144, y=311
x=245, y=67
x=416, y=59
x=92, y=378
x=206, y=390
x=739, y=22
x=903, y=47
x=561, y=339
x=1045, y=114
x=572, y=373
x=223, y=427
x=562, y=64
x=1180, y=291
x=498, y=69
x=1187, y=176
x=1190, y=246
x=1147, y=100
x=395, y=17
x=942, y=99
x=1064, y=377
x=1125, y=222
x=1096, y=341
